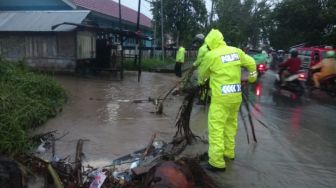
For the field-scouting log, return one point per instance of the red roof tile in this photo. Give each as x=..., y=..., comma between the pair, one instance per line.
x=111, y=8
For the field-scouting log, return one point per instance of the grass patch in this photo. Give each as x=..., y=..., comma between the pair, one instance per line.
x=27, y=100
x=148, y=64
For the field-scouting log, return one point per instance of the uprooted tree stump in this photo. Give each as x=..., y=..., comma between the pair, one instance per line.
x=183, y=173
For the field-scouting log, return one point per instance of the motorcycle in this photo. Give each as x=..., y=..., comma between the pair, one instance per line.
x=292, y=87
x=327, y=84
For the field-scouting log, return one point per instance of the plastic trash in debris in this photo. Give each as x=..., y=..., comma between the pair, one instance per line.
x=94, y=173
x=116, y=162
x=98, y=180
x=135, y=163
x=122, y=177
x=56, y=159
x=158, y=144
x=41, y=148
x=115, y=174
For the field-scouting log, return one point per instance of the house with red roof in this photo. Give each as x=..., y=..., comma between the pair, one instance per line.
x=104, y=13
x=36, y=31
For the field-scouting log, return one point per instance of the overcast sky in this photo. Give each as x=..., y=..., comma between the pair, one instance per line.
x=145, y=6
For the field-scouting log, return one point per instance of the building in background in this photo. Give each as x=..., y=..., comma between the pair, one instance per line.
x=26, y=31
x=29, y=35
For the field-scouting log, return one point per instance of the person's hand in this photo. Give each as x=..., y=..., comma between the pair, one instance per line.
x=252, y=77
x=193, y=68
x=200, y=83
x=244, y=82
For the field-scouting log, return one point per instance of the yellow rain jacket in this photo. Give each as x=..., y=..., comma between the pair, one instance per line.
x=180, y=55
x=222, y=64
x=200, y=54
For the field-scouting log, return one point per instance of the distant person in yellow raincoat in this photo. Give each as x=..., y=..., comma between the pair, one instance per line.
x=179, y=61
x=222, y=64
x=328, y=67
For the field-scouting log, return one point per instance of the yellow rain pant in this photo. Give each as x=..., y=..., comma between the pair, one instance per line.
x=222, y=127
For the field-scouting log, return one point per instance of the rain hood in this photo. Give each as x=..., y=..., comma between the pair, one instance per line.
x=214, y=39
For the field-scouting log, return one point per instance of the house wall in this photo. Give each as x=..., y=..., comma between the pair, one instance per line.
x=43, y=51
x=86, y=45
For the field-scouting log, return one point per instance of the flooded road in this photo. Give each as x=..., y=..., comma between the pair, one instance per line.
x=296, y=137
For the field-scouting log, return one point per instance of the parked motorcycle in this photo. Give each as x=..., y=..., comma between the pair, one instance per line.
x=293, y=86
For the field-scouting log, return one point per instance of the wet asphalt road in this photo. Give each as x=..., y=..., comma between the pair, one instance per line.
x=296, y=137
x=296, y=141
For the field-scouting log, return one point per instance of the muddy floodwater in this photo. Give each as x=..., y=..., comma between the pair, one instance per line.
x=102, y=111
x=296, y=138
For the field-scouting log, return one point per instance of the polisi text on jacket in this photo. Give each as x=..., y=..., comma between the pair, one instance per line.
x=230, y=57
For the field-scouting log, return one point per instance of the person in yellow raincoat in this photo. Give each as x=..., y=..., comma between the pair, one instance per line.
x=327, y=66
x=201, y=51
x=179, y=61
x=200, y=56
x=222, y=64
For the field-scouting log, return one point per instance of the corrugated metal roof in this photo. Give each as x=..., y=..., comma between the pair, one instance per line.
x=111, y=8
x=40, y=20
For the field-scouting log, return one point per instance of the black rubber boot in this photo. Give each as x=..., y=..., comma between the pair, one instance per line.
x=211, y=168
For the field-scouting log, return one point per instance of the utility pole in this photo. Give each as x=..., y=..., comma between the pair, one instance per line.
x=211, y=13
x=162, y=37
x=138, y=43
x=121, y=45
x=154, y=41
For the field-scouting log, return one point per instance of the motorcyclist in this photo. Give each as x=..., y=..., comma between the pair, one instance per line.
x=327, y=66
x=291, y=66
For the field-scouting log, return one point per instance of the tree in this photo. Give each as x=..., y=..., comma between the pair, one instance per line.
x=183, y=19
x=243, y=22
x=300, y=21
x=330, y=15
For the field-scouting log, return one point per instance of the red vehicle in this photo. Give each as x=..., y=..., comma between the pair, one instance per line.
x=310, y=56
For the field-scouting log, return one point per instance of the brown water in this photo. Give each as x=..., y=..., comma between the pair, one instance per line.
x=101, y=110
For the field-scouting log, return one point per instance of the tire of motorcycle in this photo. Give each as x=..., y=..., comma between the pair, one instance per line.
x=331, y=88
x=276, y=83
x=331, y=93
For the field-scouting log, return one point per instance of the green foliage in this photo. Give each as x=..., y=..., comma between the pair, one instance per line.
x=183, y=19
x=148, y=64
x=298, y=21
x=242, y=22
x=282, y=24
x=27, y=100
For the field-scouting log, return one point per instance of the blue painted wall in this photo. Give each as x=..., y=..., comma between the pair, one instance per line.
x=33, y=5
